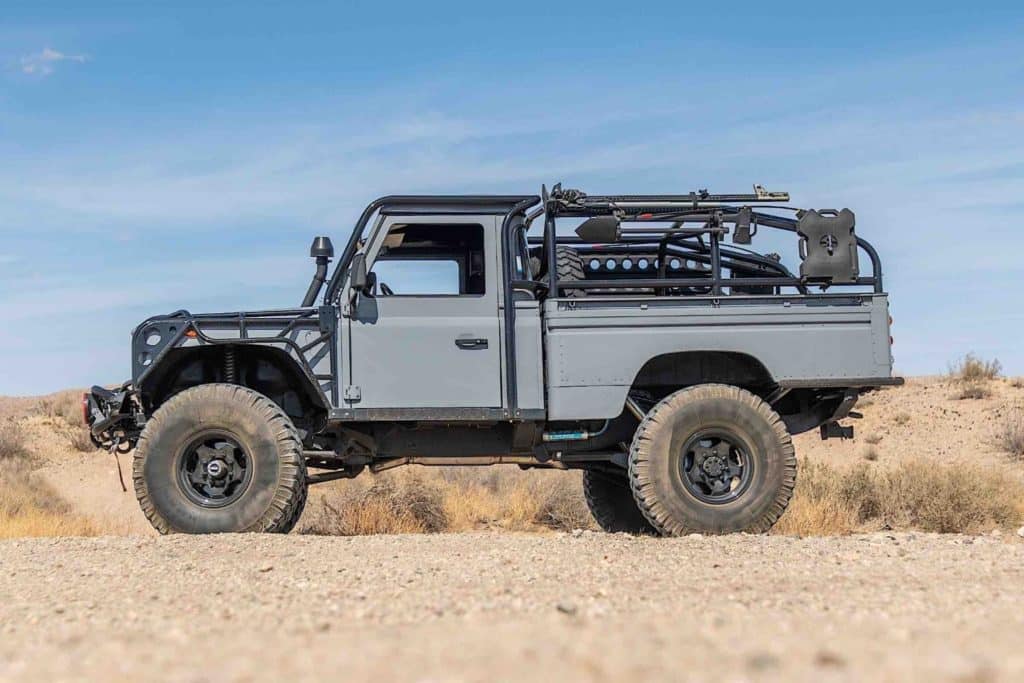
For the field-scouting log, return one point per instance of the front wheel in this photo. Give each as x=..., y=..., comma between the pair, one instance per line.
x=712, y=459
x=220, y=458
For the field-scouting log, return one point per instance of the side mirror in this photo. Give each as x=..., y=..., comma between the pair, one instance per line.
x=600, y=230
x=359, y=280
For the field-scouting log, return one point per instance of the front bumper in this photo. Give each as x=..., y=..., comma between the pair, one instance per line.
x=114, y=417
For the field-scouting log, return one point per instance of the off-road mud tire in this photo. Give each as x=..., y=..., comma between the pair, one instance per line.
x=654, y=462
x=612, y=505
x=276, y=494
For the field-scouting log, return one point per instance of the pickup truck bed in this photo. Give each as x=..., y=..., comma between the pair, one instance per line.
x=597, y=346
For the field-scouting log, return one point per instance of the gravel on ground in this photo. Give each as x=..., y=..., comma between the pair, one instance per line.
x=489, y=606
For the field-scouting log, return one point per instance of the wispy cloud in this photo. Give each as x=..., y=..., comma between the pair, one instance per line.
x=44, y=62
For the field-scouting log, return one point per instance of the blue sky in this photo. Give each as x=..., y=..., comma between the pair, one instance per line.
x=156, y=158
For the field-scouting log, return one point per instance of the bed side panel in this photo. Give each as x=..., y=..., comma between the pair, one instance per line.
x=595, y=348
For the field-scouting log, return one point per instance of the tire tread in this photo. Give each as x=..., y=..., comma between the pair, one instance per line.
x=290, y=497
x=640, y=456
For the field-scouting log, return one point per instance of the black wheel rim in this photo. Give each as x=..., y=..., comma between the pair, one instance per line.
x=214, y=470
x=715, y=466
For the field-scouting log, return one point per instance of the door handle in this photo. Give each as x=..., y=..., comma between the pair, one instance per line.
x=471, y=343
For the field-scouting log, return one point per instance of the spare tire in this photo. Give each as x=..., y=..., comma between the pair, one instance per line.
x=569, y=266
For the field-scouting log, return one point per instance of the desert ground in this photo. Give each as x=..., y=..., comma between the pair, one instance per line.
x=900, y=559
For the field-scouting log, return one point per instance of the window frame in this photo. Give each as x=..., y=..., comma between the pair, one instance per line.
x=459, y=260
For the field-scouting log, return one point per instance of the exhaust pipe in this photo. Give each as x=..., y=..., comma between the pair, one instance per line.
x=323, y=251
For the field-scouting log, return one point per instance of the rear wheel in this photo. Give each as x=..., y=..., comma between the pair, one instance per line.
x=712, y=459
x=220, y=458
x=612, y=504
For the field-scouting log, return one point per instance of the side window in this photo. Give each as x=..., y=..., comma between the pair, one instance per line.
x=420, y=259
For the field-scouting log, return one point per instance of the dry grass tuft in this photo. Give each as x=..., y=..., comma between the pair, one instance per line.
x=914, y=494
x=12, y=440
x=29, y=507
x=388, y=505
x=81, y=441
x=561, y=506
x=64, y=407
x=908, y=495
x=1017, y=382
x=873, y=439
x=1011, y=437
x=446, y=500
x=972, y=369
x=870, y=453
x=971, y=376
x=972, y=391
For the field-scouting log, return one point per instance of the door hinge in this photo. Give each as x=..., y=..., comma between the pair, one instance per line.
x=353, y=392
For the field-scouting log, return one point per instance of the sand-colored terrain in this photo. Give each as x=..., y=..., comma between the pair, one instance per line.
x=493, y=605
x=522, y=607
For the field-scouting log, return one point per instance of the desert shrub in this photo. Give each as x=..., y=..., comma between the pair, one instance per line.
x=972, y=391
x=65, y=407
x=413, y=500
x=1011, y=437
x=820, y=505
x=12, y=440
x=80, y=440
x=916, y=494
x=971, y=377
x=562, y=507
x=962, y=498
x=1017, y=382
x=388, y=505
x=971, y=369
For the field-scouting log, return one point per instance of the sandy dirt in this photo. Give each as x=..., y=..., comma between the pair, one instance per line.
x=482, y=607
x=499, y=606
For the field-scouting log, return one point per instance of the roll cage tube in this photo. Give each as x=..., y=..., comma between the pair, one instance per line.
x=712, y=211
x=508, y=234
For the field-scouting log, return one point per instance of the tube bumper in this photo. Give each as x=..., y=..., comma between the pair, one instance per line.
x=113, y=417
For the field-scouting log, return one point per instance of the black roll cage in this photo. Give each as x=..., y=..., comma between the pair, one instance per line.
x=694, y=217
x=709, y=215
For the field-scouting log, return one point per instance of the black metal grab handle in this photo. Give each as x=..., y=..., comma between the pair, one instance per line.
x=471, y=343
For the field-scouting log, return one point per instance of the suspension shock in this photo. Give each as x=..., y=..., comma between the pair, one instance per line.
x=230, y=368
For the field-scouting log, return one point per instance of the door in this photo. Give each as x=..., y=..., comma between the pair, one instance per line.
x=427, y=334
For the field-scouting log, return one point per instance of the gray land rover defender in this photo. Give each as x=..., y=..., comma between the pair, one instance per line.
x=652, y=349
